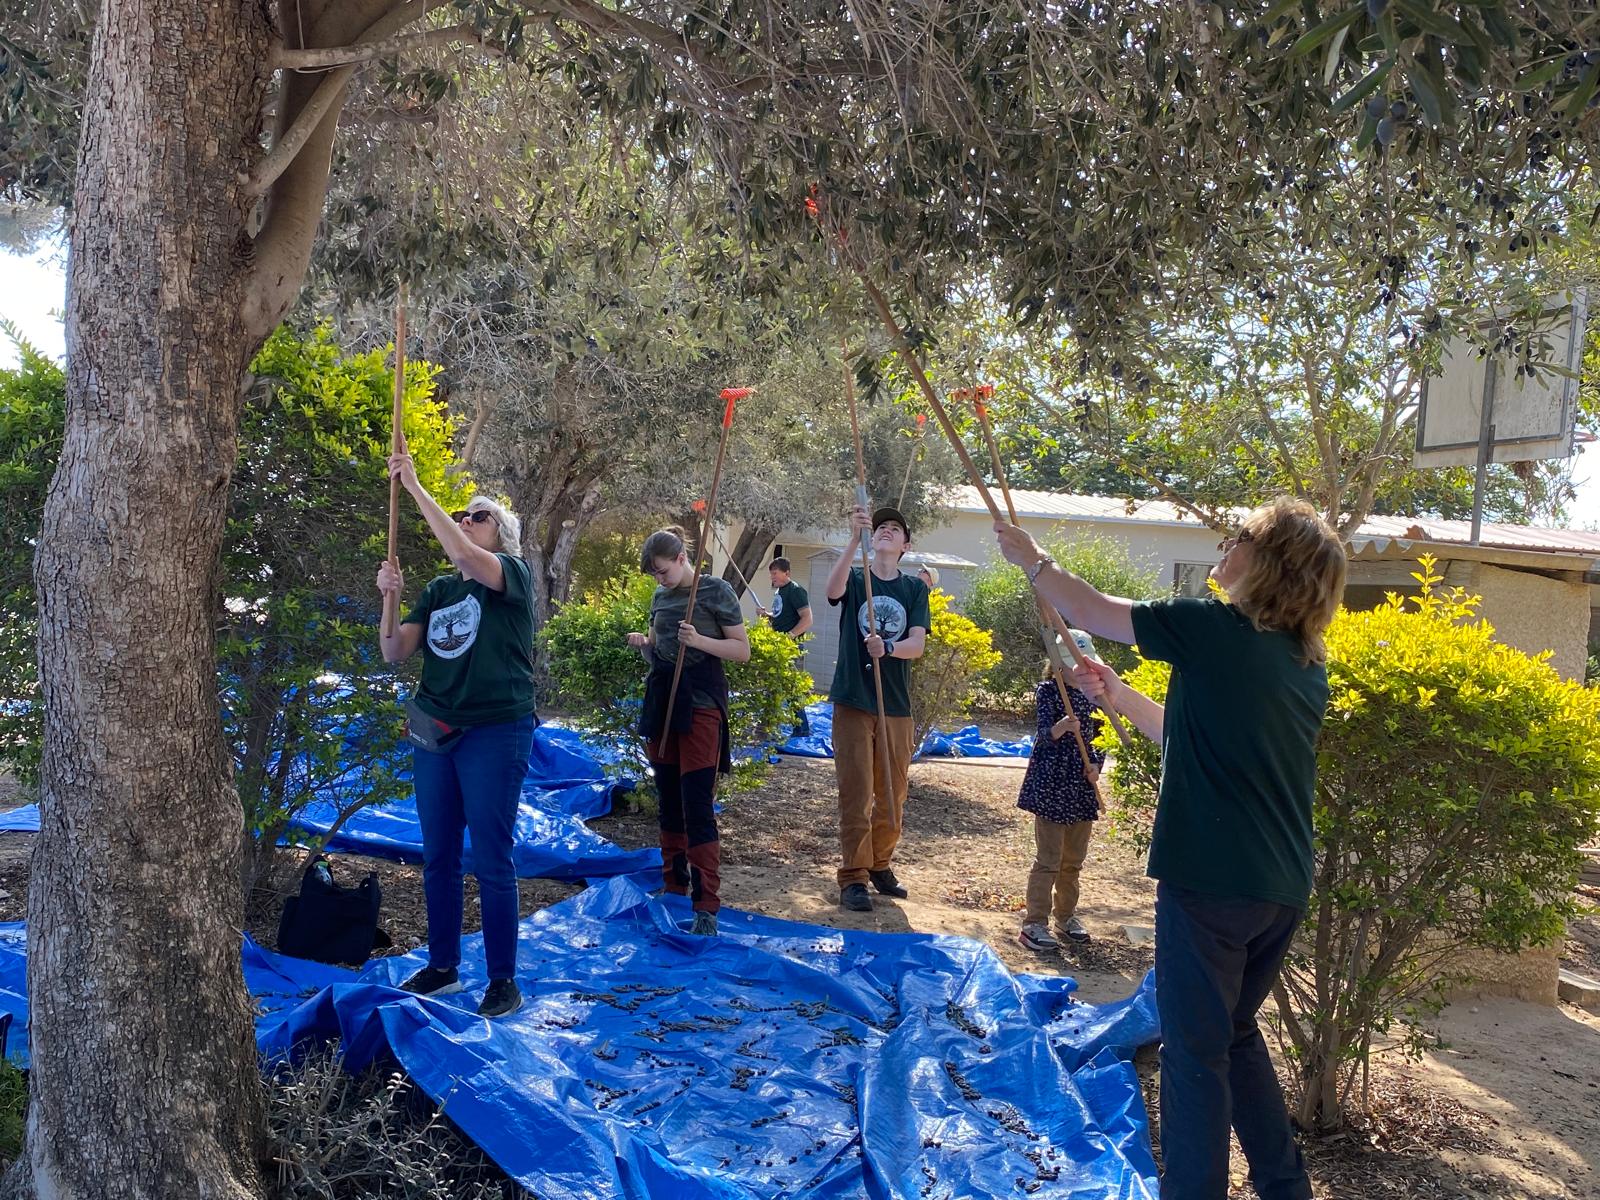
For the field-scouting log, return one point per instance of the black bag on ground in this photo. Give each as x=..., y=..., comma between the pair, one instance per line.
x=330, y=923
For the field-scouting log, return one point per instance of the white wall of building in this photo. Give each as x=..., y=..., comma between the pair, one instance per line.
x=969, y=540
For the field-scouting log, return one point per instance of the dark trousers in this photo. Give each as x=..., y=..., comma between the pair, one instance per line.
x=474, y=786
x=685, y=766
x=1216, y=960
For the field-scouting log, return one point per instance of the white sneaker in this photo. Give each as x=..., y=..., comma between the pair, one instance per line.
x=1037, y=936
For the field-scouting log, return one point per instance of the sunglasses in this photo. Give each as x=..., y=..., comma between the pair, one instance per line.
x=1244, y=535
x=477, y=516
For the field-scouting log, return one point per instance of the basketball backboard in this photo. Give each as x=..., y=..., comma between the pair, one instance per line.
x=1532, y=416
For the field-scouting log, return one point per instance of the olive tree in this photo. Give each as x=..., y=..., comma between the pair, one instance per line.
x=1074, y=152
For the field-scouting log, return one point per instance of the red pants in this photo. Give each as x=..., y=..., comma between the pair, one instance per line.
x=686, y=784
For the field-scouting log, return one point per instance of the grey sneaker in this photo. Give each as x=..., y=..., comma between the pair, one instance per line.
x=431, y=981
x=853, y=896
x=1035, y=936
x=500, y=999
x=1073, y=931
x=705, y=924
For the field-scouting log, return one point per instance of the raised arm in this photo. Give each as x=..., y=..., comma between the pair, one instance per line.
x=474, y=562
x=1079, y=601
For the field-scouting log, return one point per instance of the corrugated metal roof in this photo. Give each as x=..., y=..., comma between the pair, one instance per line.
x=1501, y=537
x=1060, y=506
x=1064, y=506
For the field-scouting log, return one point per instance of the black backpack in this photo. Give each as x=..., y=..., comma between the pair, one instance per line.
x=330, y=923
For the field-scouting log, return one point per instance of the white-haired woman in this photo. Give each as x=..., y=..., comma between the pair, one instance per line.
x=471, y=723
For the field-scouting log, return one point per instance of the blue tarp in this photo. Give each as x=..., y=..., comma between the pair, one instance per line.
x=565, y=784
x=778, y=1060
x=966, y=742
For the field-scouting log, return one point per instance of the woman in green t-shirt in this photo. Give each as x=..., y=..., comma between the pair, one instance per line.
x=471, y=723
x=1231, y=850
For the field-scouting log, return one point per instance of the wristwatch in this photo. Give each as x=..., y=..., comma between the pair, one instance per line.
x=1044, y=561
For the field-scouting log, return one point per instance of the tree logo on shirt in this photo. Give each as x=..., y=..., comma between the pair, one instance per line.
x=891, y=618
x=451, y=631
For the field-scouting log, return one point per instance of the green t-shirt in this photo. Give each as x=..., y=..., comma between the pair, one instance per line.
x=787, y=602
x=477, y=647
x=899, y=606
x=716, y=610
x=1239, y=752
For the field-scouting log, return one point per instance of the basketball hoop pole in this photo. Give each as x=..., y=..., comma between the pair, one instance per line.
x=1485, y=447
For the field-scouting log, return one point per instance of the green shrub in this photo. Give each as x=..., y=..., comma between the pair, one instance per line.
x=305, y=695
x=1457, y=778
x=1001, y=601
x=605, y=557
x=13, y=1110
x=945, y=679
x=600, y=681
x=33, y=406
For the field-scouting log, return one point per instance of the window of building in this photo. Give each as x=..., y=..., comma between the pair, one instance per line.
x=1189, y=579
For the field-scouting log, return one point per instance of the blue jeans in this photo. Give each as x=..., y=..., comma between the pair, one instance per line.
x=1216, y=960
x=474, y=785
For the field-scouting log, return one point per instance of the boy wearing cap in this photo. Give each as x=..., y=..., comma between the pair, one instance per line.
x=872, y=793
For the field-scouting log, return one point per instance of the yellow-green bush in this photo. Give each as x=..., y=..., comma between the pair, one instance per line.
x=1457, y=778
x=944, y=679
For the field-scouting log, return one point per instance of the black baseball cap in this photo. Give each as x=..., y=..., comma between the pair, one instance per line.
x=892, y=514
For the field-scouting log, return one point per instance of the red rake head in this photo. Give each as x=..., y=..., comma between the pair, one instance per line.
x=732, y=396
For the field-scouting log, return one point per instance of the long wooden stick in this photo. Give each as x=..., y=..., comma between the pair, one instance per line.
x=732, y=396
x=866, y=569
x=397, y=437
x=908, y=356
x=734, y=563
x=1058, y=668
x=916, y=453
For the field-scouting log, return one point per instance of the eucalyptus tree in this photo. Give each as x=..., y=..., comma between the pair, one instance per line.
x=1101, y=161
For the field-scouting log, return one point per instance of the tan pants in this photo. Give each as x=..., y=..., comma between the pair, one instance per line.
x=871, y=798
x=1059, y=854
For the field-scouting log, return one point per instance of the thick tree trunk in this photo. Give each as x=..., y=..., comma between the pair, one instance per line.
x=144, y=1080
x=749, y=551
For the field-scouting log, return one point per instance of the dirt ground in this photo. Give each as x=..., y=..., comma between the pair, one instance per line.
x=1508, y=1106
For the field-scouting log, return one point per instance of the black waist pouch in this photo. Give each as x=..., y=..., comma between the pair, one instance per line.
x=427, y=732
x=330, y=923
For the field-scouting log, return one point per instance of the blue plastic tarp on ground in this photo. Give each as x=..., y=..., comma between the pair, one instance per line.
x=564, y=786
x=966, y=742
x=778, y=1060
